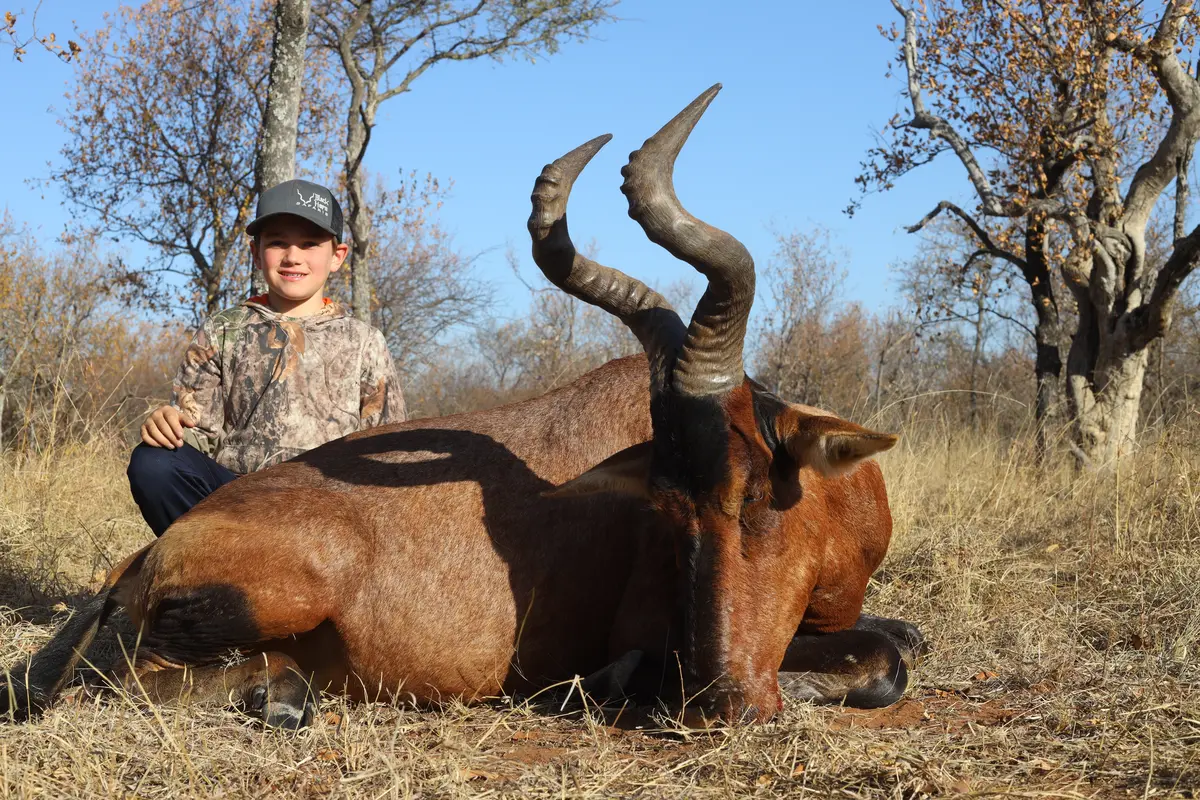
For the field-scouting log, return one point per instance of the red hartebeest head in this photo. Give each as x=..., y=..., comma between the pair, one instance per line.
x=722, y=469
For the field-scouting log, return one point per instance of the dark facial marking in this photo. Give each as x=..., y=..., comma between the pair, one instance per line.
x=691, y=443
x=767, y=408
x=785, y=480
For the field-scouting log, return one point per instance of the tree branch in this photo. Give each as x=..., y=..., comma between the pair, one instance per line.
x=989, y=246
x=1183, y=94
x=938, y=127
x=1153, y=319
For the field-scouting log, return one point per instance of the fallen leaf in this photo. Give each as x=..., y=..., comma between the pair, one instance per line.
x=465, y=774
x=328, y=754
x=984, y=675
x=799, y=770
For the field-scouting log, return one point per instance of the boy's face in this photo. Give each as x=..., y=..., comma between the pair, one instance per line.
x=296, y=257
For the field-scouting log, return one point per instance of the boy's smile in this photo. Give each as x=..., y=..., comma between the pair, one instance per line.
x=296, y=258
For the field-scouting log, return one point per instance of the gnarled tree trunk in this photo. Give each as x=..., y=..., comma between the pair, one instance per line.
x=1104, y=390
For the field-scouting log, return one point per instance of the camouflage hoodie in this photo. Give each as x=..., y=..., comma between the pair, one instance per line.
x=263, y=387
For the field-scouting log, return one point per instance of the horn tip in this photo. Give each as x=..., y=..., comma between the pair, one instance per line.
x=573, y=162
x=706, y=97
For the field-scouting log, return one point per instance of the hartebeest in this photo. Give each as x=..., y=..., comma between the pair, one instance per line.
x=662, y=516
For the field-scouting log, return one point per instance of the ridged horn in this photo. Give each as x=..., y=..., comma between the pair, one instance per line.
x=710, y=361
x=644, y=311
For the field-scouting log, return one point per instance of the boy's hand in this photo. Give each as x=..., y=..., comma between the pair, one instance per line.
x=164, y=428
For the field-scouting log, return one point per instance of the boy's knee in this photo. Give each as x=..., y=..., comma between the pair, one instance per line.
x=151, y=464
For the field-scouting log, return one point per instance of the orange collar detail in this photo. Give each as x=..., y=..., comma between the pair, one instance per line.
x=265, y=300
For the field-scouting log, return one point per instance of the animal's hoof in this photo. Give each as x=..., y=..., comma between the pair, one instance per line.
x=257, y=700
x=286, y=705
x=286, y=716
x=912, y=643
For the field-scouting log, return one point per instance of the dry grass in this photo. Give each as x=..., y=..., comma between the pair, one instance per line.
x=1063, y=611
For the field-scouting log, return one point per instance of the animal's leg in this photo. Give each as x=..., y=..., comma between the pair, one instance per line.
x=611, y=682
x=267, y=685
x=862, y=669
x=189, y=630
x=906, y=636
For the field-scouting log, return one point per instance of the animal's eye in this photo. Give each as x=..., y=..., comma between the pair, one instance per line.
x=752, y=497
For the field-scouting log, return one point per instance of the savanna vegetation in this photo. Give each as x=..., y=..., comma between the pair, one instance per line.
x=1043, y=366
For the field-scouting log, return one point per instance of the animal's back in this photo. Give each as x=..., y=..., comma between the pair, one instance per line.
x=478, y=556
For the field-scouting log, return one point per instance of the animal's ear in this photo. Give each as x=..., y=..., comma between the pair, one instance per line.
x=627, y=472
x=830, y=445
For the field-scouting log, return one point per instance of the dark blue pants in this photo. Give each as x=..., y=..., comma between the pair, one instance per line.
x=166, y=483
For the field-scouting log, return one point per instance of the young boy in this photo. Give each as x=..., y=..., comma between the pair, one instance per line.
x=278, y=375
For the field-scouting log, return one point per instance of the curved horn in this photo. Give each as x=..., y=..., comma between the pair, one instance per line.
x=644, y=311
x=711, y=358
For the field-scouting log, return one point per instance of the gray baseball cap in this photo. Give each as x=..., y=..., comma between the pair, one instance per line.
x=304, y=199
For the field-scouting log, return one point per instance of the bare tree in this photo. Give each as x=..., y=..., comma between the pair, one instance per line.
x=1087, y=122
x=951, y=285
x=812, y=347
x=425, y=286
x=384, y=46
x=69, y=355
x=163, y=131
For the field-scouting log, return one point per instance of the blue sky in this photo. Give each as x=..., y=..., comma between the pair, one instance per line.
x=804, y=98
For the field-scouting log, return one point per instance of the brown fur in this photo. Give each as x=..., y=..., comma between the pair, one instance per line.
x=422, y=560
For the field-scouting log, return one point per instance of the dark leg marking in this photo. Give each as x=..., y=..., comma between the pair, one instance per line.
x=194, y=630
x=610, y=682
x=201, y=625
x=906, y=636
x=862, y=669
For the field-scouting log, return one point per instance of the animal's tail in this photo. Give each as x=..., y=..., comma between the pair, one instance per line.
x=29, y=687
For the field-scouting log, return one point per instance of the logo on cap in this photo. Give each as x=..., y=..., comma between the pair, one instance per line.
x=318, y=202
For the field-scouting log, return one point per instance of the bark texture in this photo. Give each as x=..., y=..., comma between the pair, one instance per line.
x=277, y=158
x=281, y=122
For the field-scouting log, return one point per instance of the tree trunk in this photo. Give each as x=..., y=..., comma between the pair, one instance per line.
x=977, y=357
x=358, y=134
x=213, y=273
x=1106, y=413
x=1105, y=375
x=1047, y=365
x=277, y=152
x=277, y=156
